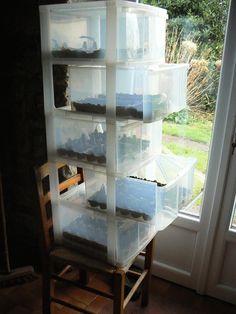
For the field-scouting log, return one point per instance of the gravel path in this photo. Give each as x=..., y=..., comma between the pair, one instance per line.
x=186, y=142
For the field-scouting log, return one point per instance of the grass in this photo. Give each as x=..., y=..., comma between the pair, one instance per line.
x=199, y=176
x=198, y=129
x=182, y=150
x=198, y=187
x=197, y=133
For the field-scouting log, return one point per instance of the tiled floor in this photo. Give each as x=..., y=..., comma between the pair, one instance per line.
x=165, y=298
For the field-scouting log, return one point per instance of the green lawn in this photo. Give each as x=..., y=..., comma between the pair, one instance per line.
x=198, y=127
x=182, y=150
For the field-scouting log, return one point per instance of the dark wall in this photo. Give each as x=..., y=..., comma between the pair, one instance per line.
x=23, y=139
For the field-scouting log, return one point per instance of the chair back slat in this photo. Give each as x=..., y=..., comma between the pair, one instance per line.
x=69, y=182
x=45, y=217
x=45, y=239
x=44, y=169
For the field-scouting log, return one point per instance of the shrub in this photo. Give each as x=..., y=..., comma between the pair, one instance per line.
x=203, y=74
x=180, y=117
x=206, y=17
x=195, y=35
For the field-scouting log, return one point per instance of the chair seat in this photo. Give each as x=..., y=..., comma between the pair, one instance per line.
x=84, y=261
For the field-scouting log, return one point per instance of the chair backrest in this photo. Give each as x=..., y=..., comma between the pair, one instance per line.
x=44, y=197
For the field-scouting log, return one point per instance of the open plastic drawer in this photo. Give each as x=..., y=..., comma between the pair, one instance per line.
x=176, y=173
x=83, y=138
x=86, y=30
x=87, y=231
x=173, y=84
x=142, y=93
x=154, y=194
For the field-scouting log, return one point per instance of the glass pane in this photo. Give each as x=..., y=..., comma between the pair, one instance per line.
x=194, y=37
x=233, y=219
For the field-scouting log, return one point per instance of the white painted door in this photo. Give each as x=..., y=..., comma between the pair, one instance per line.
x=222, y=271
x=200, y=251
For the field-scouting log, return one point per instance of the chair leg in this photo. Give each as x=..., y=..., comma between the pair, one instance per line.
x=46, y=287
x=119, y=292
x=52, y=294
x=147, y=265
x=83, y=277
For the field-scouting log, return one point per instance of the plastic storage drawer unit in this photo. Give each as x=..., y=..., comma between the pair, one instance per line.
x=83, y=138
x=86, y=30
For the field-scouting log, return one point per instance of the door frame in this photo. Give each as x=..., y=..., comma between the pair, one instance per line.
x=203, y=231
x=220, y=153
x=221, y=281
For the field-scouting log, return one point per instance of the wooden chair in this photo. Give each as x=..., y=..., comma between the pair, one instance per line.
x=52, y=255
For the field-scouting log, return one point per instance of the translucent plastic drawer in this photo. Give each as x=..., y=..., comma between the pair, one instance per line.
x=154, y=194
x=173, y=83
x=135, y=199
x=88, y=232
x=84, y=139
x=142, y=93
x=88, y=30
x=174, y=177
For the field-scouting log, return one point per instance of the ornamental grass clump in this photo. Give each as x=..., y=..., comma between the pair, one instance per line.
x=203, y=73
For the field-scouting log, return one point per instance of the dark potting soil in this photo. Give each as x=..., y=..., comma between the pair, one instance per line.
x=123, y=112
x=121, y=211
x=76, y=53
x=80, y=156
x=154, y=181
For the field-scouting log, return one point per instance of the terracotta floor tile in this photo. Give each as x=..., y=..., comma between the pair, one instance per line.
x=26, y=298
x=107, y=308
x=19, y=310
x=66, y=310
x=39, y=311
x=60, y=293
x=61, y=308
x=80, y=295
x=100, y=283
x=165, y=298
x=98, y=304
x=207, y=304
x=8, y=290
x=159, y=287
x=5, y=303
x=27, y=295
